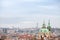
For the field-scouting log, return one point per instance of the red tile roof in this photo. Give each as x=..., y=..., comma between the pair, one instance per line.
x=26, y=36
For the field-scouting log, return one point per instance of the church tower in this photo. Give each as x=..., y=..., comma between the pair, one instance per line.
x=49, y=27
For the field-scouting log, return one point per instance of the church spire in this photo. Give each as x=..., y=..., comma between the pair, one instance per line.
x=49, y=27
x=43, y=26
x=37, y=25
x=49, y=23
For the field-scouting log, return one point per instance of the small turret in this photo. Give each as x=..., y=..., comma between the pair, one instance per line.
x=43, y=26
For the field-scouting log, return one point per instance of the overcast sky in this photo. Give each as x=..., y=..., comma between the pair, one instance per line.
x=29, y=12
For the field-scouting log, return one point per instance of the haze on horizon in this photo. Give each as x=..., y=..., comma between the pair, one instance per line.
x=27, y=13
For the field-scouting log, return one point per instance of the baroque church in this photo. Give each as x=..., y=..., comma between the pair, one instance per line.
x=45, y=31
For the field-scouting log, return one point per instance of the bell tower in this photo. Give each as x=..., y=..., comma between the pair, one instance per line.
x=49, y=27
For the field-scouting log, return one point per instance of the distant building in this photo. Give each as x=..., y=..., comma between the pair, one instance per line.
x=45, y=32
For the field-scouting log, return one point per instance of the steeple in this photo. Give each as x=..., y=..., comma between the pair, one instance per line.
x=37, y=25
x=44, y=26
x=49, y=27
x=49, y=23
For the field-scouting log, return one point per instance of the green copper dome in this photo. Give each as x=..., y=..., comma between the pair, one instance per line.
x=44, y=30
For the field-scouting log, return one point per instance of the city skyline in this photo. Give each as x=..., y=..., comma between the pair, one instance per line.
x=28, y=12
